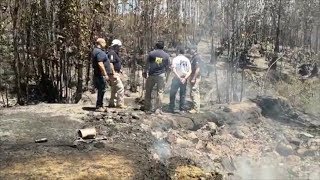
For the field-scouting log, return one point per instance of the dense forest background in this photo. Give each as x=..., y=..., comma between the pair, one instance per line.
x=45, y=45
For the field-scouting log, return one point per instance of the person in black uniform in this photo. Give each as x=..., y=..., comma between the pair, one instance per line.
x=157, y=66
x=117, y=88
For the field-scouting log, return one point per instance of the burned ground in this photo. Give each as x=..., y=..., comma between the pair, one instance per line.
x=224, y=142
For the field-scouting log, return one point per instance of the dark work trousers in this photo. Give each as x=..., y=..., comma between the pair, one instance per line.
x=175, y=86
x=101, y=85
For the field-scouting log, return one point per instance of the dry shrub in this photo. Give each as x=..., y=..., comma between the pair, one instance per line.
x=304, y=94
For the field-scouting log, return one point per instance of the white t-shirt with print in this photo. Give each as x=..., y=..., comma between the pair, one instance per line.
x=182, y=65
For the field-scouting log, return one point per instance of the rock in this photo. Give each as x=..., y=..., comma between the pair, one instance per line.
x=307, y=152
x=213, y=127
x=314, y=142
x=226, y=109
x=294, y=141
x=171, y=138
x=135, y=116
x=156, y=157
x=127, y=93
x=2, y=104
x=145, y=127
x=109, y=122
x=228, y=164
x=239, y=134
x=99, y=145
x=99, y=117
x=210, y=127
x=118, y=118
x=284, y=149
x=200, y=145
x=210, y=146
x=301, y=151
x=305, y=135
x=82, y=145
x=192, y=136
x=183, y=143
x=292, y=160
x=204, y=135
x=159, y=135
x=122, y=114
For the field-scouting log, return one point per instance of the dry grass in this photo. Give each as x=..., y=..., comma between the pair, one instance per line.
x=188, y=172
x=75, y=167
x=302, y=94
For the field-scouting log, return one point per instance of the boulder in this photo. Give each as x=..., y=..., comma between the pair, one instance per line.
x=294, y=141
x=302, y=152
x=284, y=149
x=135, y=116
x=109, y=122
x=239, y=134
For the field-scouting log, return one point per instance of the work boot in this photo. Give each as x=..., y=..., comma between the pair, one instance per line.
x=193, y=111
x=122, y=106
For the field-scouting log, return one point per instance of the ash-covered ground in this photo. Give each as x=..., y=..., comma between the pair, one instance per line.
x=247, y=140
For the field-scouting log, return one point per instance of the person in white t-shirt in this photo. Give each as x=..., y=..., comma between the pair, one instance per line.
x=181, y=67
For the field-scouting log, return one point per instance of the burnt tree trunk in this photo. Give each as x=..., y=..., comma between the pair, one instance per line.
x=17, y=61
x=273, y=62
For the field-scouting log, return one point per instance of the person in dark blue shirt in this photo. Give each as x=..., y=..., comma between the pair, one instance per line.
x=117, y=88
x=101, y=71
x=157, y=66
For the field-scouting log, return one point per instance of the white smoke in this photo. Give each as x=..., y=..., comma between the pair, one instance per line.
x=161, y=150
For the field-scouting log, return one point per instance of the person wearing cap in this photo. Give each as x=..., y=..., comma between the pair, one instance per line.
x=117, y=88
x=157, y=66
x=195, y=79
x=181, y=68
x=101, y=69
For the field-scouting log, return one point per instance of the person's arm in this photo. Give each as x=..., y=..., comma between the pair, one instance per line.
x=196, y=73
x=174, y=70
x=111, y=60
x=168, y=69
x=104, y=69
